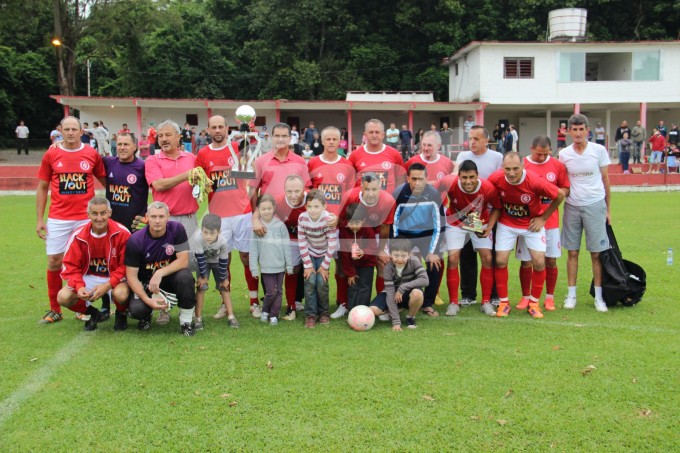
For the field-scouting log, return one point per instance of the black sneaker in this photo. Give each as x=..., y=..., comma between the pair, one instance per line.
x=121, y=322
x=144, y=324
x=91, y=324
x=104, y=314
x=410, y=323
x=186, y=330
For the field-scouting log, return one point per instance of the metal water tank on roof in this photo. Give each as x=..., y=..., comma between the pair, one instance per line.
x=567, y=24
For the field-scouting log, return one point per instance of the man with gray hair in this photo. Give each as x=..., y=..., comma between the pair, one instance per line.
x=587, y=208
x=157, y=269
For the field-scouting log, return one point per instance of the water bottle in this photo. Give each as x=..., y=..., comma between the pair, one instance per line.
x=669, y=257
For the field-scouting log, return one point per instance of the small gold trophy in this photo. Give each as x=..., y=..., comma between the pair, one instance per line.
x=473, y=223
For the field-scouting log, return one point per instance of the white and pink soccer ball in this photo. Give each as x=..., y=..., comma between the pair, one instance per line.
x=361, y=318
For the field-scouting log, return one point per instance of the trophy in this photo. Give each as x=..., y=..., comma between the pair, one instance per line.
x=247, y=153
x=473, y=223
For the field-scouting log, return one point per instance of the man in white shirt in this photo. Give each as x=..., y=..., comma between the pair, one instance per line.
x=22, y=137
x=586, y=207
x=392, y=136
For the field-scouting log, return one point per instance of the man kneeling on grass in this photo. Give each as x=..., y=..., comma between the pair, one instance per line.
x=157, y=269
x=405, y=279
x=93, y=266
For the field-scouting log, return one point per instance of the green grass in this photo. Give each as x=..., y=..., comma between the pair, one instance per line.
x=468, y=383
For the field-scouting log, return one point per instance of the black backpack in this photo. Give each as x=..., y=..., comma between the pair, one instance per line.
x=622, y=280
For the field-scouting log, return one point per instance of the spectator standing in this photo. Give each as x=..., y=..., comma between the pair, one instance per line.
x=515, y=138
x=658, y=145
x=405, y=137
x=187, y=136
x=446, y=135
x=55, y=135
x=392, y=136
x=600, y=135
x=624, y=157
x=22, y=137
x=638, y=135
x=561, y=137
x=674, y=135
x=619, y=135
x=467, y=125
x=153, y=138
x=662, y=129
x=308, y=137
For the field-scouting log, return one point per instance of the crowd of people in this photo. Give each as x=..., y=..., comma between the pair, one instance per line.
x=372, y=213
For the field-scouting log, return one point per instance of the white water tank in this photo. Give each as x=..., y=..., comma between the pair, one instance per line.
x=567, y=24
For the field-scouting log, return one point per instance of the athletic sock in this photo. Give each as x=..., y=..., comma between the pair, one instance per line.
x=79, y=307
x=501, y=275
x=571, y=291
x=537, y=282
x=252, y=285
x=341, y=292
x=53, y=288
x=186, y=315
x=290, y=282
x=106, y=302
x=598, y=292
x=525, y=280
x=379, y=284
x=550, y=280
x=452, y=283
x=486, y=280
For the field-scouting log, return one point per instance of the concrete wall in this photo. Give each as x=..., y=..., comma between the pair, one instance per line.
x=466, y=87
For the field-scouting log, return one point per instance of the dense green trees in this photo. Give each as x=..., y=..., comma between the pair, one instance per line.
x=268, y=49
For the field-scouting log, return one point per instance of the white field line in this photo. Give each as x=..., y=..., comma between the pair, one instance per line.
x=40, y=377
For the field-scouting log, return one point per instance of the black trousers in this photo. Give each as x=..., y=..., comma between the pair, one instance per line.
x=181, y=283
x=22, y=143
x=360, y=292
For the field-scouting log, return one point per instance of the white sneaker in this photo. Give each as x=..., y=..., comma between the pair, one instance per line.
x=488, y=309
x=452, y=310
x=221, y=313
x=601, y=306
x=384, y=317
x=255, y=311
x=570, y=303
x=290, y=316
x=264, y=317
x=340, y=312
x=274, y=321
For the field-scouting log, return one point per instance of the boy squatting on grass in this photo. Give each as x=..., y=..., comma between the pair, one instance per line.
x=211, y=253
x=404, y=279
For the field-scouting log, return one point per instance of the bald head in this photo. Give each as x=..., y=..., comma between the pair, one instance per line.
x=217, y=128
x=512, y=157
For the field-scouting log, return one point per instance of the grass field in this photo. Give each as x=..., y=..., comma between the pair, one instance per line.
x=576, y=380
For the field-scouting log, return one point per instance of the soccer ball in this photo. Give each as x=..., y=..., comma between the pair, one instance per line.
x=361, y=318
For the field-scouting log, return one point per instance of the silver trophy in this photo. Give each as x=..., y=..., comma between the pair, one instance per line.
x=245, y=156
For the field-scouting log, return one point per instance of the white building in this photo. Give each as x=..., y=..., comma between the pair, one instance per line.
x=536, y=85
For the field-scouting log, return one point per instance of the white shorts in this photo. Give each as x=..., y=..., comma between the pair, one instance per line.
x=553, y=247
x=94, y=280
x=506, y=237
x=58, y=234
x=236, y=231
x=456, y=238
x=295, y=252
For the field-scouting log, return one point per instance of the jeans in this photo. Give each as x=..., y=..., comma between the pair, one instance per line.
x=624, y=157
x=316, y=291
x=273, y=293
x=637, y=152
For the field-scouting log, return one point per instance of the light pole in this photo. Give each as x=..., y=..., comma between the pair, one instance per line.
x=56, y=42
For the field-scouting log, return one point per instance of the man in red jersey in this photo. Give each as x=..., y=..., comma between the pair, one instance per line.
x=438, y=166
x=469, y=195
x=522, y=215
x=229, y=199
x=335, y=176
x=553, y=171
x=376, y=157
x=67, y=170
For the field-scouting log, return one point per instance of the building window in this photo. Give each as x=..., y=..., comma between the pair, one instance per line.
x=518, y=68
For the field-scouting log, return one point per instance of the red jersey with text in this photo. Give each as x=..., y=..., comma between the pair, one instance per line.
x=522, y=201
x=333, y=178
x=230, y=195
x=378, y=214
x=289, y=214
x=553, y=171
x=387, y=164
x=462, y=203
x=70, y=174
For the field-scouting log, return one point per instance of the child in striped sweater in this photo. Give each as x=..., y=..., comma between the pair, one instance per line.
x=318, y=243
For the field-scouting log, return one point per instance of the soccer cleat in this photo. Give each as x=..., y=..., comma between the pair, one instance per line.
x=264, y=317
x=523, y=304
x=438, y=300
x=310, y=322
x=91, y=324
x=495, y=302
x=324, y=320
x=384, y=317
x=570, y=302
x=452, y=310
x=410, y=323
x=82, y=317
x=163, y=318
x=186, y=330
x=120, y=322
x=535, y=311
x=465, y=301
x=503, y=310
x=340, y=312
x=487, y=309
x=601, y=306
x=233, y=323
x=549, y=303
x=50, y=317
x=299, y=306
x=221, y=313
x=290, y=316
x=144, y=324
x=104, y=314
x=273, y=321
x=198, y=323
x=255, y=311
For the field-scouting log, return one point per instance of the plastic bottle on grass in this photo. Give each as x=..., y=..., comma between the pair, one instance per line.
x=669, y=257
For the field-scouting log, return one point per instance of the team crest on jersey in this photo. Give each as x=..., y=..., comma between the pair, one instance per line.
x=85, y=165
x=340, y=177
x=526, y=198
x=169, y=249
x=230, y=161
x=387, y=165
x=551, y=177
x=502, y=194
x=440, y=175
x=114, y=252
x=131, y=179
x=374, y=217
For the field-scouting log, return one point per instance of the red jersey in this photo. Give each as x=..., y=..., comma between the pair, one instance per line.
x=436, y=169
x=381, y=213
x=289, y=214
x=70, y=174
x=333, y=178
x=461, y=203
x=386, y=163
x=229, y=196
x=522, y=201
x=553, y=171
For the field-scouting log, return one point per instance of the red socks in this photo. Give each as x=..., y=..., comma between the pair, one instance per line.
x=79, y=307
x=341, y=285
x=501, y=275
x=53, y=288
x=252, y=285
x=379, y=284
x=550, y=279
x=537, y=281
x=291, y=289
x=452, y=283
x=525, y=280
x=486, y=279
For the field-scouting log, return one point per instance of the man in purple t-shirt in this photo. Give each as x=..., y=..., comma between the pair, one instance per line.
x=157, y=262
